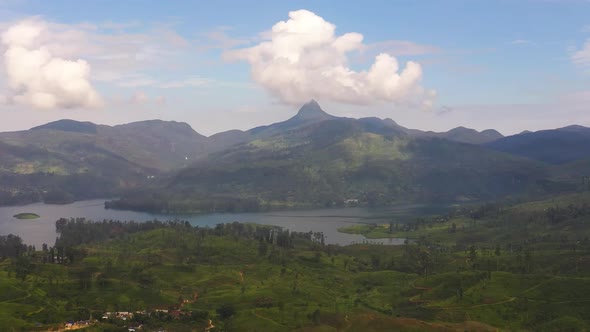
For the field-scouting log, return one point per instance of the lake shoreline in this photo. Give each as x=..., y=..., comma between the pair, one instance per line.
x=317, y=220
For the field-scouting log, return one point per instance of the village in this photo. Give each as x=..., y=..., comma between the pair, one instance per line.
x=120, y=317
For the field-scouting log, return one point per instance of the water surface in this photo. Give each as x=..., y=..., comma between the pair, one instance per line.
x=42, y=230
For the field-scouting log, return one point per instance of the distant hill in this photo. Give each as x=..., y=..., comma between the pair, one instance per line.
x=556, y=146
x=472, y=136
x=309, y=113
x=312, y=159
x=312, y=112
x=79, y=160
x=30, y=173
x=461, y=134
x=69, y=126
x=315, y=159
x=164, y=145
x=154, y=144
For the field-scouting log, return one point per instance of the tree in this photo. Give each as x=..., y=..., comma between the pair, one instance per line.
x=497, y=253
x=315, y=316
x=528, y=260
x=375, y=262
x=226, y=311
x=23, y=267
x=262, y=248
x=472, y=254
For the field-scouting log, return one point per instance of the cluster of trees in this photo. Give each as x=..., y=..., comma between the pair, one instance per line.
x=557, y=214
x=76, y=231
x=18, y=196
x=12, y=246
x=21, y=255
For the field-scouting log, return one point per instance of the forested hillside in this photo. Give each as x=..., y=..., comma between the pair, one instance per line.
x=517, y=267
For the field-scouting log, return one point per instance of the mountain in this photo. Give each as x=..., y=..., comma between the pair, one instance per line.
x=69, y=126
x=164, y=145
x=76, y=160
x=309, y=113
x=312, y=159
x=30, y=173
x=557, y=146
x=155, y=144
x=472, y=136
x=461, y=134
x=315, y=159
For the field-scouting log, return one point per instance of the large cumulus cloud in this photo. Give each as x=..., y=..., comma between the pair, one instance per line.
x=38, y=78
x=303, y=58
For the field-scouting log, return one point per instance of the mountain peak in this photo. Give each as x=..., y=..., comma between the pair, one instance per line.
x=574, y=128
x=68, y=125
x=312, y=111
x=162, y=126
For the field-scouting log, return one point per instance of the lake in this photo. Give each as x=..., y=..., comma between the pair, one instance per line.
x=42, y=230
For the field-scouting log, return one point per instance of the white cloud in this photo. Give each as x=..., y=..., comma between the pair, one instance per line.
x=134, y=82
x=118, y=53
x=522, y=42
x=219, y=39
x=303, y=58
x=581, y=56
x=139, y=98
x=40, y=79
x=161, y=100
x=189, y=82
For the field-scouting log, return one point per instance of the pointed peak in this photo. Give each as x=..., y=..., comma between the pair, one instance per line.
x=311, y=111
x=312, y=102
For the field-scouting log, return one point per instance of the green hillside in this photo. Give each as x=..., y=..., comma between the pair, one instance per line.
x=479, y=268
x=66, y=160
x=310, y=160
x=326, y=162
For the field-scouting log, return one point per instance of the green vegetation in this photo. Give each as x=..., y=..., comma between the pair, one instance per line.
x=26, y=215
x=67, y=160
x=307, y=163
x=370, y=231
x=341, y=163
x=312, y=160
x=520, y=267
x=497, y=266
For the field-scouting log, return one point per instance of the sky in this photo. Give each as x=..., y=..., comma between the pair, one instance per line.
x=510, y=65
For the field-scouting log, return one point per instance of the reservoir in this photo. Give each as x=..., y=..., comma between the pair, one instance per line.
x=42, y=230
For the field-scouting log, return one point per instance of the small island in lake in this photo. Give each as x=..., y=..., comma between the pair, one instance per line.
x=27, y=215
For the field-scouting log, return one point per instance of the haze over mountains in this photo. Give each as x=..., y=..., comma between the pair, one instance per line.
x=313, y=158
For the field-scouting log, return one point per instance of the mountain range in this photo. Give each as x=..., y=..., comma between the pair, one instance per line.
x=311, y=159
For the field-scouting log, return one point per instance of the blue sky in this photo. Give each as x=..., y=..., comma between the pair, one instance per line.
x=511, y=65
